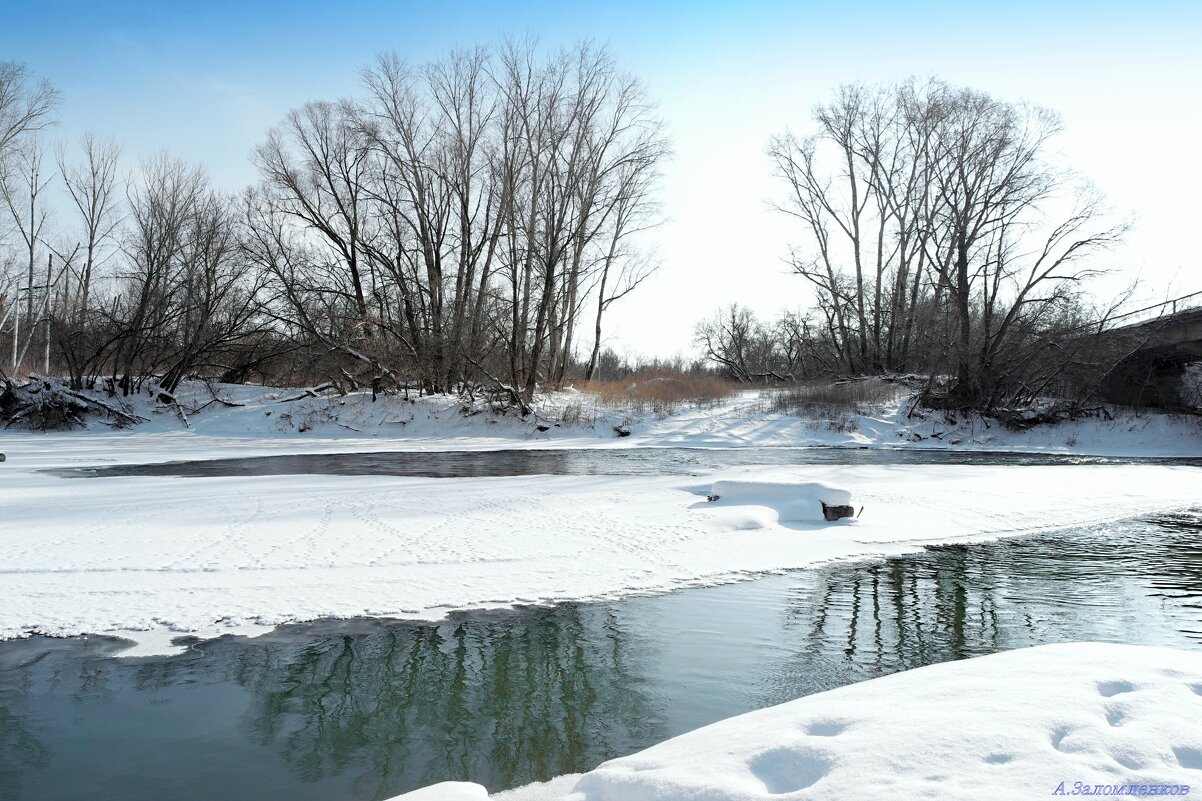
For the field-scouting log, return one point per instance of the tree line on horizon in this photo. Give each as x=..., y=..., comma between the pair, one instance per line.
x=464, y=225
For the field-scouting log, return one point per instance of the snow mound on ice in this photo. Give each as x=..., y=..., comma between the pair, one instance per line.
x=1011, y=725
x=793, y=501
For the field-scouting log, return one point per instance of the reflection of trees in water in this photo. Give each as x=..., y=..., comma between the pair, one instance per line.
x=959, y=601
x=864, y=621
x=20, y=748
x=501, y=700
x=1180, y=576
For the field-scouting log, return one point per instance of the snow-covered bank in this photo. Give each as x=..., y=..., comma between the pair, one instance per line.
x=1051, y=721
x=272, y=420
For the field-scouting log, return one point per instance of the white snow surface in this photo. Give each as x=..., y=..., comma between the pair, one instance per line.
x=154, y=557
x=449, y=791
x=1010, y=725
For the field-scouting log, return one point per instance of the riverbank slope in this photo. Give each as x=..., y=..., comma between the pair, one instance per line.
x=1051, y=721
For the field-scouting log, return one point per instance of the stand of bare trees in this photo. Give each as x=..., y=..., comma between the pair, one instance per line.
x=461, y=225
x=449, y=227
x=749, y=351
x=26, y=108
x=943, y=237
x=464, y=226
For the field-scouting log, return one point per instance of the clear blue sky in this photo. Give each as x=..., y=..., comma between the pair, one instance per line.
x=204, y=80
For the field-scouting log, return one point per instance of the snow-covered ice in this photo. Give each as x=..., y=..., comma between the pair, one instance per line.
x=209, y=555
x=163, y=555
x=1032, y=723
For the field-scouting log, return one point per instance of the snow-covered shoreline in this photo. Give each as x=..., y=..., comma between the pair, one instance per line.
x=265, y=424
x=1050, y=721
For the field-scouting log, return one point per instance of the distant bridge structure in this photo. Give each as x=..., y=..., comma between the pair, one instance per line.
x=1162, y=340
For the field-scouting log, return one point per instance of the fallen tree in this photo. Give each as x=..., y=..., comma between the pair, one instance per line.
x=49, y=404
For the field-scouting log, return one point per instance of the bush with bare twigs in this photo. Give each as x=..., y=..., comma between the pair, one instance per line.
x=836, y=404
x=802, y=400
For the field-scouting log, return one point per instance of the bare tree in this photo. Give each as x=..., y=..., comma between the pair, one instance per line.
x=582, y=146
x=753, y=351
x=435, y=213
x=858, y=188
x=23, y=187
x=313, y=168
x=93, y=186
x=731, y=339
x=26, y=106
x=1017, y=233
x=622, y=267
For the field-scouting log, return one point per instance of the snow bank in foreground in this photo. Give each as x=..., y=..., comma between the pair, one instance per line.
x=1033, y=723
x=792, y=500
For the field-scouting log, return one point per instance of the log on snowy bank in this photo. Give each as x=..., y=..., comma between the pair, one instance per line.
x=810, y=501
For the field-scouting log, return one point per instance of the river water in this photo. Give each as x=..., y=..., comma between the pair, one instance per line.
x=584, y=461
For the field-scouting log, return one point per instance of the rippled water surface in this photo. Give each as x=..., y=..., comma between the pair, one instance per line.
x=369, y=709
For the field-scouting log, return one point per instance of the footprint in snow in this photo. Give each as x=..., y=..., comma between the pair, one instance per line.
x=1058, y=737
x=789, y=769
x=1115, y=715
x=1129, y=762
x=1108, y=689
x=1189, y=757
x=825, y=728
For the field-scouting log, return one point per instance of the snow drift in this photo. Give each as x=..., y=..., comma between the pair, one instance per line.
x=793, y=501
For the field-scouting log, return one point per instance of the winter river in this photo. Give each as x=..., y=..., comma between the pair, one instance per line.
x=582, y=462
x=367, y=709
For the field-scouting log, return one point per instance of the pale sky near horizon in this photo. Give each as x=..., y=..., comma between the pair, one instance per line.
x=205, y=81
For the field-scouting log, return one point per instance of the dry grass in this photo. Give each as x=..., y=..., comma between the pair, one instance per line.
x=657, y=393
x=853, y=395
x=836, y=403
